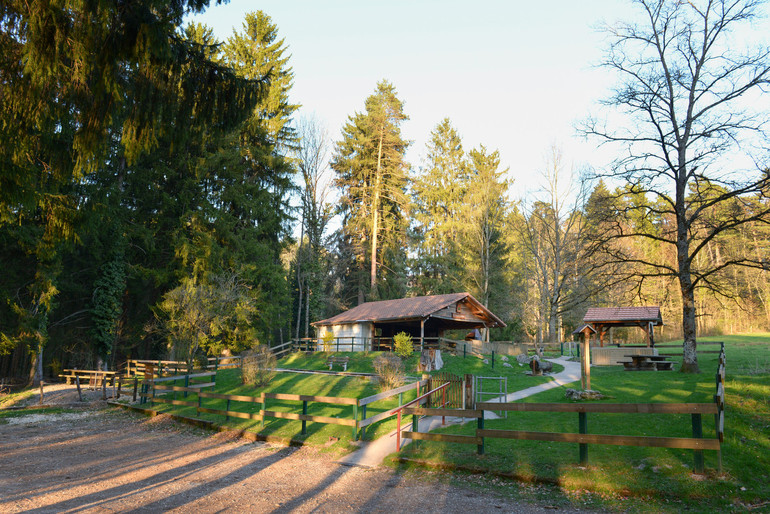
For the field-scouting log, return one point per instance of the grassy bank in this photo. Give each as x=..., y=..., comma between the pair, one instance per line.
x=327, y=435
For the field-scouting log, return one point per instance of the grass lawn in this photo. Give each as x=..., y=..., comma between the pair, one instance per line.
x=662, y=476
x=332, y=436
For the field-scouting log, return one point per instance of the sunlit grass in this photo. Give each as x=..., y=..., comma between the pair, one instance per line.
x=229, y=382
x=663, y=477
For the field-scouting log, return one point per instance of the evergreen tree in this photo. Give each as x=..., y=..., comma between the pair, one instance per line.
x=486, y=213
x=439, y=193
x=371, y=173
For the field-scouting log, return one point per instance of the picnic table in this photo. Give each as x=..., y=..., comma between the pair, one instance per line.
x=92, y=375
x=648, y=363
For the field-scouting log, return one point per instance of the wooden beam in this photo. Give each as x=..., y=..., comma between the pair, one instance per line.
x=305, y=417
x=458, y=413
x=613, y=408
x=444, y=438
x=308, y=398
x=619, y=440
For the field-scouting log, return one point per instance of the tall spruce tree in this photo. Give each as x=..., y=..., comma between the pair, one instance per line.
x=486, y=212
x=439, y=193
x=372, y=175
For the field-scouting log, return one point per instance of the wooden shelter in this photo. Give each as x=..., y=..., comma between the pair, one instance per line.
x=422, y=317
x=602, y=319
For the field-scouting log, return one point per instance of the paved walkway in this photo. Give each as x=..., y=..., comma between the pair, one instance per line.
x=372, y=453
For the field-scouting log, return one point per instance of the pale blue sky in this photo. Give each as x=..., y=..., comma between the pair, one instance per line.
x=514, y=76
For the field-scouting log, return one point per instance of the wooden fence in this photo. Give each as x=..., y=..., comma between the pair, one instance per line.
x=357, y=343
x=700, y=344
x=454, y=398
x=697, y=442
x=356, y=421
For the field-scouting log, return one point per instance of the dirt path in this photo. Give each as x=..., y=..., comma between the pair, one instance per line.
x=101, y=460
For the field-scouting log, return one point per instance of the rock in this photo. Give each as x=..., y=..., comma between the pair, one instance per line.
x=507, y=365
x=504, y=358
x=485, y=361
x=522, y=359
x=588, y=394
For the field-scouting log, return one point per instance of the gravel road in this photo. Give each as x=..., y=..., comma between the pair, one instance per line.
x=102, y=460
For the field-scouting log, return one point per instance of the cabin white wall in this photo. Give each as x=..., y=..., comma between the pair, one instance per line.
x=360, y=332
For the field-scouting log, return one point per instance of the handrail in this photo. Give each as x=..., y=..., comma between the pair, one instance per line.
x=399, y=410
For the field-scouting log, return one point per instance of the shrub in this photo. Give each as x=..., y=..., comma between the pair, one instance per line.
x=328, y=340
x=258, y=366
x=390, y=370
x=402, y=345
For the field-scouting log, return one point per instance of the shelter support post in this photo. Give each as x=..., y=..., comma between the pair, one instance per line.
x=586, y=362
x=422, y=335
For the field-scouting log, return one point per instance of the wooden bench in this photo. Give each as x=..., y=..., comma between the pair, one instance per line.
x=648, y=363
x=342, y=361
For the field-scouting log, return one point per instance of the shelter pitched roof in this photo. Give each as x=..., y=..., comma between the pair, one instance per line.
x=583, y=328
x=623, y=314
x=419, y=307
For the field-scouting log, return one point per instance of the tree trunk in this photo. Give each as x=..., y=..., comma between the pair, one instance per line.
x=299, y=273
x=376, y=219
x=307, y=313
x=690, y=357
x=36, y=370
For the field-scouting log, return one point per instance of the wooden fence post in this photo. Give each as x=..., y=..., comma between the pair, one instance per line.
x=355, y=422
x=77, y=383
x=304, y=421
x=41, y=392
x=136, y=384
x=415, y=427
x=697, y=433
x=470, y=396
x=583, y=429
x=480, y=425
x=104, y=386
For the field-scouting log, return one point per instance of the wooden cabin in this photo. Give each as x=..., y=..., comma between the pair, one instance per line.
x=423, y=317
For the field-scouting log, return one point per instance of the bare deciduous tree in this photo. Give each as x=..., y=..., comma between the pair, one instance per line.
x=312, y=160
x=690, y=98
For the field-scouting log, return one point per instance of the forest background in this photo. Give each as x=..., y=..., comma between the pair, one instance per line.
x=161, y=197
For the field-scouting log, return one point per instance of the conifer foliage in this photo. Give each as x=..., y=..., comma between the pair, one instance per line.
x=371, y=174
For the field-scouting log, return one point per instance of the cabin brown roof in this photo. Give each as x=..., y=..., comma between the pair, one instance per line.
x=419, y=307
x=623, y=314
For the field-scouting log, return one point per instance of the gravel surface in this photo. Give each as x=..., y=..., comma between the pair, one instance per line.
x=103, y=460
x=98, y=459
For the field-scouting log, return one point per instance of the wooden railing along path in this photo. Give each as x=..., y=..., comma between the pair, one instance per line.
x=356, y=421
x=697, y=442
